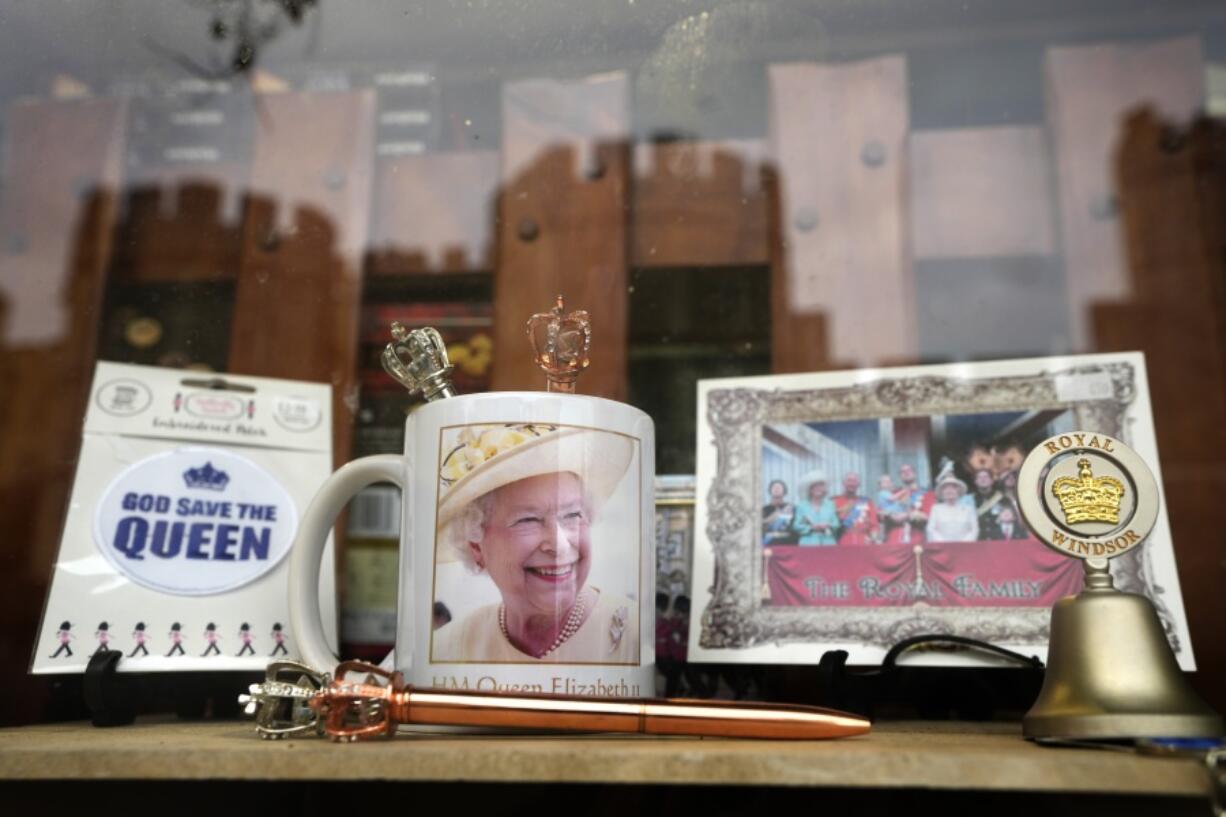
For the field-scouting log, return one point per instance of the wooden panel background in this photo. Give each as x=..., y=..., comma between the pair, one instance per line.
x=1090, y=89
x=174, y=227
x=186, y=170
x=838, y=137
x=700, y=204
x=1172, y=188
x=62, y=169
x=434, y=213
x=562, y=224
x=299, y=286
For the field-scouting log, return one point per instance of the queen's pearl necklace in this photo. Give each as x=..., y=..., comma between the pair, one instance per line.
x=574, y=620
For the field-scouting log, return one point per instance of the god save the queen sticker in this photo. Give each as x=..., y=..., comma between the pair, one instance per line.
x=195, y=521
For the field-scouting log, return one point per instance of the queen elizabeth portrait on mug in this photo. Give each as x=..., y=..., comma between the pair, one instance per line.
x=537, y=545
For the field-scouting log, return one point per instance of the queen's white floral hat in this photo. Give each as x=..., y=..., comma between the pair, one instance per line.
x=486, y=457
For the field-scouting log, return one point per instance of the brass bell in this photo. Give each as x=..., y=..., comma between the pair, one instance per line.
x=1111, y=673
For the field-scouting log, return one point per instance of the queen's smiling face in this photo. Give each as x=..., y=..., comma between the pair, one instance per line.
x=536, y=543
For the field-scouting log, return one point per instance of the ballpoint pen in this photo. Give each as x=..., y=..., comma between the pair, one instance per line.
x=298, y=700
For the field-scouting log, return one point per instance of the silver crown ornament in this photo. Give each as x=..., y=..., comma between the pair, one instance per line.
x=281, y=705
x=417, y=359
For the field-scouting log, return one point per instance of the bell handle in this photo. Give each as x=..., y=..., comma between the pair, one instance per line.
x=1098, y=574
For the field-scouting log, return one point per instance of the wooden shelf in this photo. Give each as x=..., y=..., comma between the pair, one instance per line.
x=981, y=757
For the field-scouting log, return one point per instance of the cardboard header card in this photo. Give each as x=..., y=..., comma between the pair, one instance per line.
x=184, y=508
x=171, y=404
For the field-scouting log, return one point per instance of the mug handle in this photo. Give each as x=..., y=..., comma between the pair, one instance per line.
x=305, y=618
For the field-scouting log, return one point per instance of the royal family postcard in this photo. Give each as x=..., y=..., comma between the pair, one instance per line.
x=852, y=510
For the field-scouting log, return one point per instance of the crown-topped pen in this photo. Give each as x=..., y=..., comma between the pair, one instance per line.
x=418, y=361
x=560, y=345
x=296, y=700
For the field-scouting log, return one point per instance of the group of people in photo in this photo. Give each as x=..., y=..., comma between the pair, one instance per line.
x=901, y=511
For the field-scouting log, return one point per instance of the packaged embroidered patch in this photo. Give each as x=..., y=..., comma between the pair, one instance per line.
x=184, y=508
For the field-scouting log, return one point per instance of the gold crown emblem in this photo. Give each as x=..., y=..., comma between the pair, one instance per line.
x=1089, y=498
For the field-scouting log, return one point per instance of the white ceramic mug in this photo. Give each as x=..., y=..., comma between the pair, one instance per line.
x=528, y=517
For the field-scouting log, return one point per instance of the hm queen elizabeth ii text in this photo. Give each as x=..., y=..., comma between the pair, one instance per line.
x=558, y=685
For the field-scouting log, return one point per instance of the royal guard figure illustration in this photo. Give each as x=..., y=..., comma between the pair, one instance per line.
x=279, y=637
x=103, y=634
x=64, y=634
x=211, y=636
x=858, y=523
x=244, y=633
x=176, y=638
x=141, y=637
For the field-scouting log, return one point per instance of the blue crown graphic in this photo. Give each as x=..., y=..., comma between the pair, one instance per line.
x=206, y=477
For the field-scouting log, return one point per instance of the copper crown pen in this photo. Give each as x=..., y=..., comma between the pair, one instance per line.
x=348, y=710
